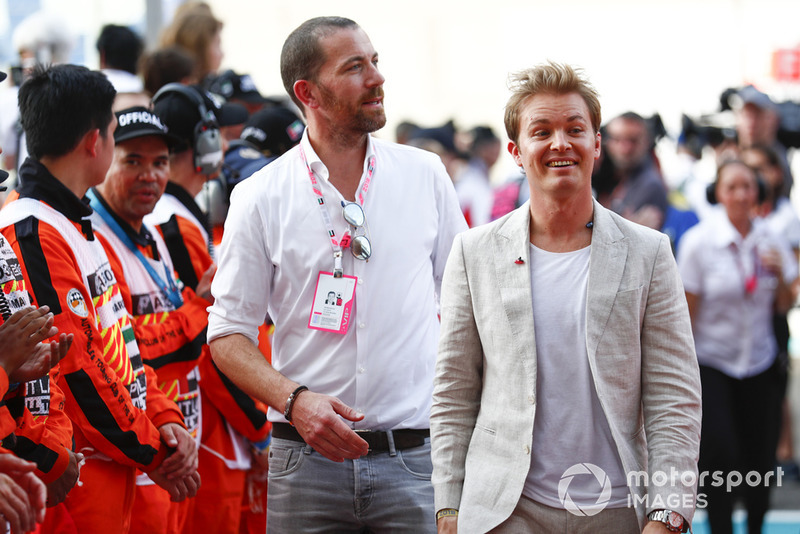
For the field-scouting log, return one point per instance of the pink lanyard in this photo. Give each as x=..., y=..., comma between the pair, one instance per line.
x=326, y=217
x=750, y=282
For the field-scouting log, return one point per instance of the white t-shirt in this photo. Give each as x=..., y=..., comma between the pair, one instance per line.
x=570, y=426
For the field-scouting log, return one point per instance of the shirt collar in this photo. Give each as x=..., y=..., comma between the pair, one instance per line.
x=186, y=199
x=316, y=164
x=143, y=238
x=727, y=234
x=38, y=183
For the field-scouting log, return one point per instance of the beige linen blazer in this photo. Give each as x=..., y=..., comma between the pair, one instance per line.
x=641, y=355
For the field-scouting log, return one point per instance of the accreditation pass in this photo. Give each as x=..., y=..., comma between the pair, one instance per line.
x=333, y=303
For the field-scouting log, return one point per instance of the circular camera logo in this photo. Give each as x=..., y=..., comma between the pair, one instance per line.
x=581, y=508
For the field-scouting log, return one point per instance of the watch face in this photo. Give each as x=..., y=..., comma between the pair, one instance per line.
x=675, y=520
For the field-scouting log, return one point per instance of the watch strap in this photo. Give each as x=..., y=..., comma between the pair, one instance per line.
x=663, y=516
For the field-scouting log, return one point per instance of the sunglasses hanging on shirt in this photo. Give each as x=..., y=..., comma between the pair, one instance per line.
x=360, y=245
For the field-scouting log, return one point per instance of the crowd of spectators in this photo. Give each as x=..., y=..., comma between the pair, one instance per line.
x=736, y=239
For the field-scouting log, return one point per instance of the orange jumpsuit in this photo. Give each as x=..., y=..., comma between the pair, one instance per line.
x=171, y=336
x=229, y=415
x=110, y=397
x=7, y=423
x=42, y=433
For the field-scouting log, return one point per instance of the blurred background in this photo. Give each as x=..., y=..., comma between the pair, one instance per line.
x=449, y=60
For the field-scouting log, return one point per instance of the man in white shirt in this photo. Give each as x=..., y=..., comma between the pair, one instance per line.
x=355, y=380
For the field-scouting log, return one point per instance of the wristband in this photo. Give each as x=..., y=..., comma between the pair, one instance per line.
x=287, y=412
x=446, y=512
x=261, y=445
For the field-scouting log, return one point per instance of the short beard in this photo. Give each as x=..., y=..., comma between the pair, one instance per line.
x=359, y=122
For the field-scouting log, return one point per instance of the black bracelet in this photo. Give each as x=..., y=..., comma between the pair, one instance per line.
x=287, y=412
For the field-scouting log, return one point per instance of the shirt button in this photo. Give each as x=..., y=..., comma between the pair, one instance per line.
x=361, y=325
x=527, y=449
x=532, y=399
x=362, y=370
x=360, y=281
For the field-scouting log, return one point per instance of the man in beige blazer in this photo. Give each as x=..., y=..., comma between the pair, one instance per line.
x=523, y=389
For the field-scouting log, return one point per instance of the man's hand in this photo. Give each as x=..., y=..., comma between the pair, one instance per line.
x=447, y=525
x=260, y=460
x=316, y=418
x=45, y=356
x=178, y=489
x=190, y=484
x=57, y=490
x=14, y=466
x=204, y=284
x=655, y=527
x=256, y=489
x=20, y=334
x=256, y=480
x=22, y=495
x=183, y=461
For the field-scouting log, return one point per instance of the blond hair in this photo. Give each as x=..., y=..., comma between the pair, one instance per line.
x=549, y=78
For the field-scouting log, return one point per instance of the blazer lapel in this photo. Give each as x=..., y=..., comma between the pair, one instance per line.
x=606, y=265
x=511, y=253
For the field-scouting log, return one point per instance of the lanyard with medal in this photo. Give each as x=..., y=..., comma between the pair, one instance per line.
x=168, y=288
x=334, y=294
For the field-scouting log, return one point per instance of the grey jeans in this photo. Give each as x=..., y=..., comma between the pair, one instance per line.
x=377, y=493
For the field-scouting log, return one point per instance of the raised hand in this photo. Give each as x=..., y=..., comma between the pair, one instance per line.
x=44, y=357
x=21, y=333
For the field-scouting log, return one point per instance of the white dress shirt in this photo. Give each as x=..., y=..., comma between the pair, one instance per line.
x=275, y=245
x=732, y=326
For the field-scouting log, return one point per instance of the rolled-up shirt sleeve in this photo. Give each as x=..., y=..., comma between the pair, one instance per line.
x=241, y=286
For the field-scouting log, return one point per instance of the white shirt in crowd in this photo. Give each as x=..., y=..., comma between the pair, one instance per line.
x=733, y=322
x=275, y=245
x=783, y=221
x=475, y=194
